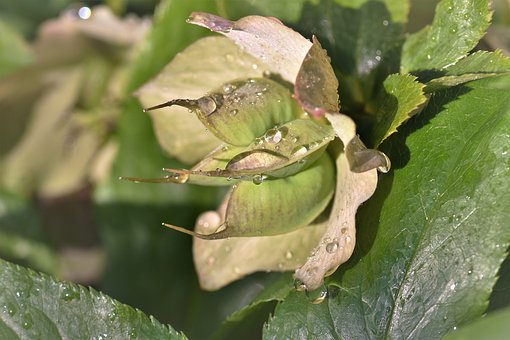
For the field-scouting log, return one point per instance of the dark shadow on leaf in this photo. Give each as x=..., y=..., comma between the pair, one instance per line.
x=500, y=297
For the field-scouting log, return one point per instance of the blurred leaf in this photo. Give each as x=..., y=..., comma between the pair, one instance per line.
x=285, y=10
x=347, y=32
x=169, y=34
x=37, y=306
x=457, y=27
x=45, y=136
x=432, y=238
x=14, y=51
x=498, y=37
x=493, y=326
x=399, y=99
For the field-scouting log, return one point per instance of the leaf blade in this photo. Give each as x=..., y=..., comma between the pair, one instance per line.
x=430, y=236
x=37, y=306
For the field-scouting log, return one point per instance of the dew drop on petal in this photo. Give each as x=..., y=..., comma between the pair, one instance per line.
x=332, y=247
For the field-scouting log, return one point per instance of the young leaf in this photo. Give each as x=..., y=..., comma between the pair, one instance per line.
x=398, y=100
x=479, y=65
x=431, y=240
x=37, y=306
x=180, y=132
x=457, y=27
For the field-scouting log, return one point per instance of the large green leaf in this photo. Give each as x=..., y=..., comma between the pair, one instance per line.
x=457, y=27
x=37, y=306
x=363, y=39
x=431, y=239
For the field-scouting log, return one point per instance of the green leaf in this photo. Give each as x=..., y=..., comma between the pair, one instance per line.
x=398, y=100
x=168, y=35
x=493, y=326
x=433, y=236
x=347, y=30
x=479, y=65
x=14, y=51
x=180, y=133
x=457, y=27
x=37, y=306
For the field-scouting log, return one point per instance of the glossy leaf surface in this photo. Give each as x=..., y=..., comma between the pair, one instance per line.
x=431, y=239
x=457, y=27
x=37, y=306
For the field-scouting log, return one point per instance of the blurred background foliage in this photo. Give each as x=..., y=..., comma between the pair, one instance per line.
x=70, y=127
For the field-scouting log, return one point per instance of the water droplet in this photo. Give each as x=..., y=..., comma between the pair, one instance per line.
x=348, y=239
x=254, y=66
x=454, y=328
x=378, y=58
x=299, y=286
x=273, y=136
x=428, y=56
x=318, y=295
x=299, y=150
x=234, y=112
x=225, y=148
x=84, y=13
x=27, y=321
x=258, y=179
x=266, y=74
x=294, y=139
x=207, y=105
x=288, y=255
x=313, y=145
x=69, y=294
x=385, y=23
x=332, y=247
x=229, y=88
x=180, y=178
x=452, y=286
x=10, y=309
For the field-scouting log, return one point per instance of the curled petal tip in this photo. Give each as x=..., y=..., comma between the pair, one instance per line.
x=213, y=22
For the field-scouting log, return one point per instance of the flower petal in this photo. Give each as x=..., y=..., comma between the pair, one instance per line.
x=267, y=39
x=219, y=262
